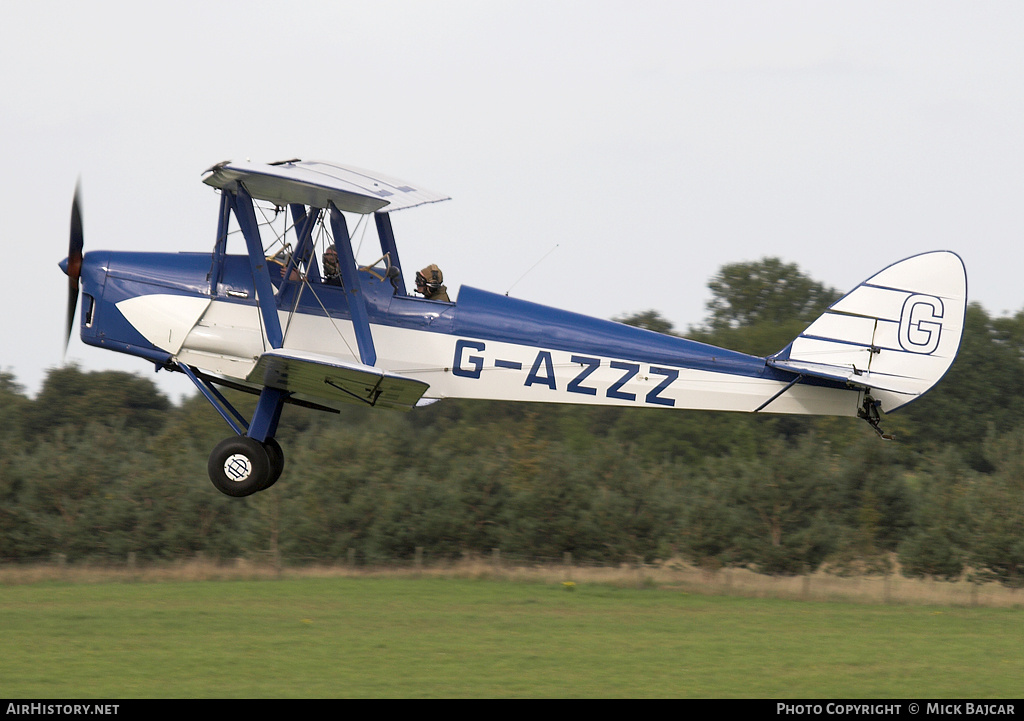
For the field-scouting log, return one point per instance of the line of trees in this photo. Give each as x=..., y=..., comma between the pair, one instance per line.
x=101, y=465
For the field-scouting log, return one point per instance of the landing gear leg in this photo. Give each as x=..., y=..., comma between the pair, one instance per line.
x=251, y=460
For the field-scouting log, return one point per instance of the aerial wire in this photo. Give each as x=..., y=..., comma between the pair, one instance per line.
x=530, y=269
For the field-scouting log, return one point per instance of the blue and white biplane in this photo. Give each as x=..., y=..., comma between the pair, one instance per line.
x=270, y=321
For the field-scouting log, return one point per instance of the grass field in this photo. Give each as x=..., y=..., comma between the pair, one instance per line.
x=457, y=637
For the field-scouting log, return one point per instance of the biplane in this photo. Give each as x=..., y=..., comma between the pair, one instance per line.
x=273, y=322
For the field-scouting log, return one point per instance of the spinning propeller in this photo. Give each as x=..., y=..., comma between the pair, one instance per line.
x=73, y=264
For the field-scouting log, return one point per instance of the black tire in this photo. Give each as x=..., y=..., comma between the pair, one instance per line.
x=276, y=457
x=239, y=466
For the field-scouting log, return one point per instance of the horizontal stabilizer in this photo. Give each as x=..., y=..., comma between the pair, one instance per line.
x=864, y=379
x=330, y=380
x=896, y=334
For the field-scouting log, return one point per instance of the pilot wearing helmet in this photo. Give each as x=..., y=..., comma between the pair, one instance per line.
x=429, y=283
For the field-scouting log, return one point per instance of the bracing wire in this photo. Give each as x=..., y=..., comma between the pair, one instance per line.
x=323, y=240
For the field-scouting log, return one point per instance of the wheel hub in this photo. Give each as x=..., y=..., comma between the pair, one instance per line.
x=237, y=467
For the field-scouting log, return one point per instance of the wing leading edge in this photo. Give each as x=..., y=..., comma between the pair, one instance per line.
x=332, y=381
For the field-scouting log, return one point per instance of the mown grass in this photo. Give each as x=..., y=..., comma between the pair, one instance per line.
x=456, y=637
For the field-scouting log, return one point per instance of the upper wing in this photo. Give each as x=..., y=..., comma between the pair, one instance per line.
x=317, y=184
x=330, y=380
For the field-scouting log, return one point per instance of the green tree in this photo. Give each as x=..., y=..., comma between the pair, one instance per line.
x=786, y=498
x=648, y=319
x=13, y=407
x=14, y=404
x=995, y=508
x=935, y=545
x=874, y=499
x=758, y=307
x=71, y=397
x=773, y=511
x=711, y=522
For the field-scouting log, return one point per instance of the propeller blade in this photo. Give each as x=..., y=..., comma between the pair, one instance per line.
x=74, y=262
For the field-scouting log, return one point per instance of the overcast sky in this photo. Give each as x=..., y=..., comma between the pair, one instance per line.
x=652, y=142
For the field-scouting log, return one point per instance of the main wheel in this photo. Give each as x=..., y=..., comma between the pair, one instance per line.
x=276, y=457
x=239, y=466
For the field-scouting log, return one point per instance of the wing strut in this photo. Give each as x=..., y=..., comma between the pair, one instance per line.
x=303, y=221
x=271, y=400
x=220, y=246
x=246, y=217
x=388, y=246
x=356, y=300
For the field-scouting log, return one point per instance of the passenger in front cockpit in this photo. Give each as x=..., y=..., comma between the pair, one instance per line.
x=332, y=271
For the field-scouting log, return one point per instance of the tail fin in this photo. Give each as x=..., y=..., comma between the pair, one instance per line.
x=894, y=335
